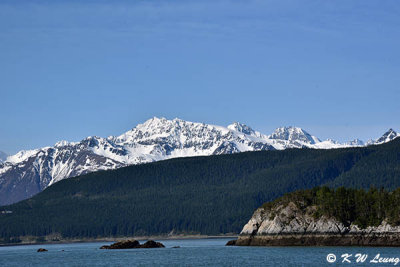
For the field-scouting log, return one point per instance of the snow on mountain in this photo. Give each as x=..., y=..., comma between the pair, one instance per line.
x=29, y=172
x=21, y=156
x=388, y=136
x=242, y=128
x=355, y=142
x=294, y=134
x=159, y=138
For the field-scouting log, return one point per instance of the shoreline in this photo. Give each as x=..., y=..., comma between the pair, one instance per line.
x=116, y=239
x=320, y=239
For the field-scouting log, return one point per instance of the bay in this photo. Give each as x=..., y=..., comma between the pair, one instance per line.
x=192, y=252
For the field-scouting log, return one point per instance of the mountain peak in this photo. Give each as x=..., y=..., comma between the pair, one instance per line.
x=61, y=143
x=355, y=142
x=389, y=135
x=291, y=133
x=155, y=121
x=155, y=139
x=21, y=156
x=240, y=127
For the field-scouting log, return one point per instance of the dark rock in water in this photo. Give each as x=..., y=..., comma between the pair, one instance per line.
x=231, y=243
x=152, y=244
x=133, y=244
x=176, y=247
x=42, y=250
x=122, y=245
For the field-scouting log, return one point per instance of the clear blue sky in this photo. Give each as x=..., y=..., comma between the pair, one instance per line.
x=70, y=69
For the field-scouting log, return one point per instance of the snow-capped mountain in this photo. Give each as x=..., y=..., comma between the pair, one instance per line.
x=388, y=136
x=355, y=142
x=29, y=172
x=293, y=137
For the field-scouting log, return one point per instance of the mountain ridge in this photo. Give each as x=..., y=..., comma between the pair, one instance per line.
x=197, y=195
x=28, y=172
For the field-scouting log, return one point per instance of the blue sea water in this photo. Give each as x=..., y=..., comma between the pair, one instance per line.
x=193, y=252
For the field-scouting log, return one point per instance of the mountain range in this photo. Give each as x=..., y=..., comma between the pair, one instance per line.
x=205, y=195
x=30, y=171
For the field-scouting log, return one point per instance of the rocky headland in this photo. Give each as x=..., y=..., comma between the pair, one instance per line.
x=290, y=224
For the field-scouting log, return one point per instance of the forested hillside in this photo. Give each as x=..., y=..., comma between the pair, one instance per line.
x=207, y=195
x=348, y=205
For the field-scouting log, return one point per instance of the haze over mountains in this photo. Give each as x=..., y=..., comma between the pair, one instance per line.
x=28, y=172
x=3, y=156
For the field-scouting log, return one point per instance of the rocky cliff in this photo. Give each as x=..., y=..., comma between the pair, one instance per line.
x=289, y=225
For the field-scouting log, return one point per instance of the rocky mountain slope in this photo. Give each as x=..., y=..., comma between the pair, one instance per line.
x=28, y=172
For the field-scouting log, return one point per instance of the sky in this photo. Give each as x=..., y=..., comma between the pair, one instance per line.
x=71, y=69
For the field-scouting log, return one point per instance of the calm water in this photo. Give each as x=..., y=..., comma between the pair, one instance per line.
x=199, y=252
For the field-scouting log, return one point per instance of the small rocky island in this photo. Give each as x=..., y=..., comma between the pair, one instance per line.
x=128, y=244
x=326, y=217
